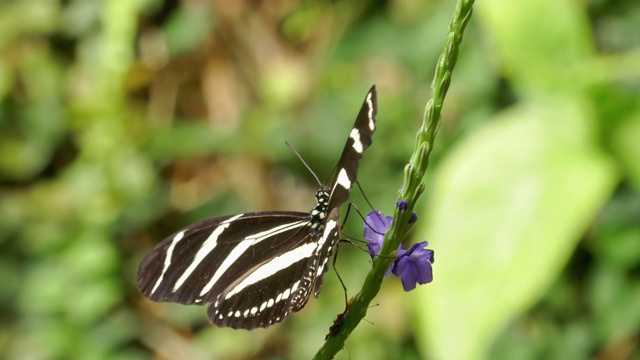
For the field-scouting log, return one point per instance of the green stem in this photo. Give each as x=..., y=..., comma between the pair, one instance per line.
x=412, y=186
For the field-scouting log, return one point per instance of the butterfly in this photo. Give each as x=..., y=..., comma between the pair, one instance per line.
x=254, y=269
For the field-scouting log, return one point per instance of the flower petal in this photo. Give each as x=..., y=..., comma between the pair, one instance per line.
x=375, y=227
x=413, y=266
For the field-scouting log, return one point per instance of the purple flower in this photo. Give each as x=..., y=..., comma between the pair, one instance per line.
x=402, y=205
x=375, y=227
x=413, y=266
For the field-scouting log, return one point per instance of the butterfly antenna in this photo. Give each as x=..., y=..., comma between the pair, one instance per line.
x=369, y=203
x=364, y=195
x=305, y=163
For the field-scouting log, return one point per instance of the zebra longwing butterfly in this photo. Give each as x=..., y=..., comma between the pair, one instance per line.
x=254, y=269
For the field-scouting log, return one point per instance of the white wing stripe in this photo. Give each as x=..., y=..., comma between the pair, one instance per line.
x=167, y=259
x=329, y=230
x=372, y=125
x=205, y=249
x=243, y=246
x=272, y=267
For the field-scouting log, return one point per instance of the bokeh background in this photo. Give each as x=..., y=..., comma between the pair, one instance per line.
x=122, y=121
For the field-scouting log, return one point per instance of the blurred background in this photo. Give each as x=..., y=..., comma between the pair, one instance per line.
x=123, y=121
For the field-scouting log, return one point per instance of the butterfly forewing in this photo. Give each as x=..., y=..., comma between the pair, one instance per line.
x=346, y=174
x=360, y=138
x=254, y=269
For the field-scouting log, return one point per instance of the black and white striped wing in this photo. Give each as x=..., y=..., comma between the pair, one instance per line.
x=346, y=174
x=252, y=269
x=360, y=138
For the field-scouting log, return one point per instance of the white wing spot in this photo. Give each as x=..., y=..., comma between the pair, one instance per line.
x=270, y=303
x=237, y=314
x=279, y=297
x=286, y=293
x=343, y=179
x=357, y=144
x=254, y=310
x=246, y=312
x=263, y=306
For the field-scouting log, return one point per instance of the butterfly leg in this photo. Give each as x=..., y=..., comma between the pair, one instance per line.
x=344, y=288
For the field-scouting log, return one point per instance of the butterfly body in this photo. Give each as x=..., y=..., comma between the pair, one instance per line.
x=254, y=269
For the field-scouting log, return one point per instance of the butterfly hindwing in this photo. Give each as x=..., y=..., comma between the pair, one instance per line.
x=284, y=292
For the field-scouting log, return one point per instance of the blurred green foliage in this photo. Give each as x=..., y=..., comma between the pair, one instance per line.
x=122, y=121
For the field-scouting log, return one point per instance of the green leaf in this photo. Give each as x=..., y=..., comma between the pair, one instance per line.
x=626, y=145
x=541, y=44
x=509, y=205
